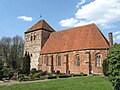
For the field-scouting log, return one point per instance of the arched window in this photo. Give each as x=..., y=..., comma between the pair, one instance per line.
x=98, y=60
x=59, y=60
x=46, y=60
x=77, y=60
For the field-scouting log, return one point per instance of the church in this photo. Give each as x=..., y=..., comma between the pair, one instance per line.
x=74, y=50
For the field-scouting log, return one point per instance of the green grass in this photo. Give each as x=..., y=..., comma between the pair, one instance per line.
x=81, y=83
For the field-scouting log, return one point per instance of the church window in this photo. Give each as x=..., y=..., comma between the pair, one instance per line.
x=77, y=60
x=59, y=60
x=46, y=60
x=98, y=60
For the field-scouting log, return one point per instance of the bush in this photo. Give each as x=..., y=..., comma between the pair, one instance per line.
x=52, y=77
x=33, y=71
x=19, y=70
x=113, y=58
x=76, y=75
x=105, y=67
x=49, y=74
x=1, y=74
x=81, y=73
x=37, y=75
x=5, y=72
x=11, y=74
x=65, y=76
x=21, y=77
x=15, y=76
x=57, y=72
x=44, y=73
x=43, y=77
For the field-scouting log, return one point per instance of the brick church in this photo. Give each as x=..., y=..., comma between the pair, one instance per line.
x=74, y=50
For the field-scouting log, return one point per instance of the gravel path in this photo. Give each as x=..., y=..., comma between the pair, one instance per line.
x=17, y=82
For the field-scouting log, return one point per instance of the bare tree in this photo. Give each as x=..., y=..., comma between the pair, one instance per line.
x=11, y=51
x=16, y=51
x=5, y=48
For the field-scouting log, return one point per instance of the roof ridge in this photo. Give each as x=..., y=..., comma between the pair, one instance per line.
x=76, y=27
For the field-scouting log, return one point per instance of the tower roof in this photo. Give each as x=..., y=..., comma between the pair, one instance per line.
x=42, y=24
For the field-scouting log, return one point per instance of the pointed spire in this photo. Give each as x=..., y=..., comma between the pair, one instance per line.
x=42, y=24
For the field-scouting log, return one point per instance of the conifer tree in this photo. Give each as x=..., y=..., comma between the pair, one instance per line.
x=26, y=64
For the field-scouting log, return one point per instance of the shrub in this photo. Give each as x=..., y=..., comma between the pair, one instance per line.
x=1, y=74
x=33, y=71
x=49, y=74
x=21, y=77
x=105, y=67
x=113, y=58
x=52, y=77
x=65, y=76
x=37, y=75
x=76, y=75
x=44, y=73
x=81, y=73
x=15, y=76
x=43, y=77
x=57, y=72
x=5, y=72
x=11, y=74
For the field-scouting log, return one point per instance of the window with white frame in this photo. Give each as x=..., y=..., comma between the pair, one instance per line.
x=98, y=60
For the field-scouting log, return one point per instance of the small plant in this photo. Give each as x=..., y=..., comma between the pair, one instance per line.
x=57, y=72
x=43, y=77
x=44, y=73
x=1, y=75
x=81, y=73
x=33, y=71
x=21, y=77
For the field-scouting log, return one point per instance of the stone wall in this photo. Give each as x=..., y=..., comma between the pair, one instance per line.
x=33, y=43
x=33, y=47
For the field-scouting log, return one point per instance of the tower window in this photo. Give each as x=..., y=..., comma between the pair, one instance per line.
x=31, y=38
x=34, y=36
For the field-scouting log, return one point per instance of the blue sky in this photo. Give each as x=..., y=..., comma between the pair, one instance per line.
x=16, y=16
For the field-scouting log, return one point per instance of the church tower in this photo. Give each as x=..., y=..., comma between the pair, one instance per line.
x=34, y=39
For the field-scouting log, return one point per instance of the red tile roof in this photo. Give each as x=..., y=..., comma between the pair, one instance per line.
x=42, y=24
x=78, y=38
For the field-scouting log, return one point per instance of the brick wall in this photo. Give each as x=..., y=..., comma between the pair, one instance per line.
x=84, y=62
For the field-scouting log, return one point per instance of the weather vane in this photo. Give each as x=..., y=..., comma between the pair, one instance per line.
x=40, y=16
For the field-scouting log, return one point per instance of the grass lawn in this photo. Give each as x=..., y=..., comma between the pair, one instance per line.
x=80, y=83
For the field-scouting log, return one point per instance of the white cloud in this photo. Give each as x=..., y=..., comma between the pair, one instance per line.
x=25, y=18
x=118, y=37
x=116, y=33
x=68, y=22
x=80, y=3
x=102, y=12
